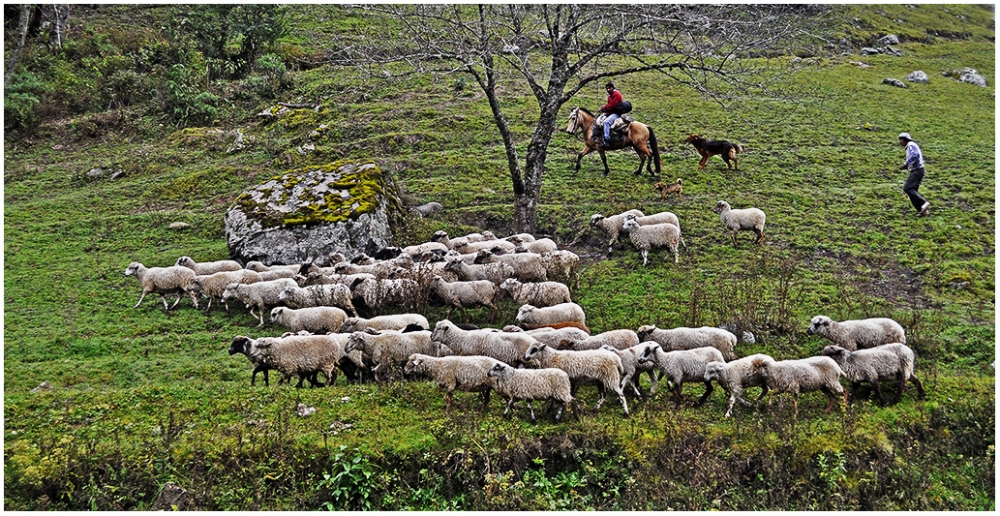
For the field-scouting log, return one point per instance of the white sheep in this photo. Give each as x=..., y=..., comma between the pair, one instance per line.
x=213, y=285
x=465, y=294
x=527, y=267
x=558, y=316
x=258, y=295
x=416, y=250
x=858, y=333
x=546, y=293
x=562, y=265
x=558, y=338
x=318, y=295
x=632, y=368
x=507, y=347
x=317, y=319
x=378, y=295
x=485, y=245
x=612, y=226
x=678, y=367
x=540, y=246
x=260, y=267
x=744, y=219
x=645, y=238
x=736, y=376
x=389, y=347
x=888, y=362
x=275, y=274
x=663, y=217
x=293, y=355
x=519, y=238
x=451, y=243
x=163, y=281
x=533, y=384
x=591, y=366
x=244, y=345
x=495, y=272
x=384, y=322
x=618, y=339
x=467, y=374
x=689, y=338
x=206, y=268
x=802, y=375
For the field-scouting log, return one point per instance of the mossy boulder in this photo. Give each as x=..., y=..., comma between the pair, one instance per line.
x=308, y=213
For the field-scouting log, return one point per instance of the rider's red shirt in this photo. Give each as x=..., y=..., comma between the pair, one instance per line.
x=613, y=100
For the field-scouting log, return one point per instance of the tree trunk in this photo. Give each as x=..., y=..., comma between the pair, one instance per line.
x=60, y=23
x=22, y=34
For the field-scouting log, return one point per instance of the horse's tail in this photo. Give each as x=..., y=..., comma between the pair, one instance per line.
x=656, y=150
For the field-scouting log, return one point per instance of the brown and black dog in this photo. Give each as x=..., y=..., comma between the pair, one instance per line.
x=674, y=188
x=709, y=148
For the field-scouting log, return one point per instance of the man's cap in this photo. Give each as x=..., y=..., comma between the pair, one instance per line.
x=905, y=136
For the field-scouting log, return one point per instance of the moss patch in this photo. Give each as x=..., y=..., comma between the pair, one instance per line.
x=334, y=192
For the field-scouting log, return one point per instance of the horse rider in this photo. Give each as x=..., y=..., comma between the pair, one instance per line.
x=611, y=108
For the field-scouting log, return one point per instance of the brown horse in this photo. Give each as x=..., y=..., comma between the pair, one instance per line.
x=637, y=137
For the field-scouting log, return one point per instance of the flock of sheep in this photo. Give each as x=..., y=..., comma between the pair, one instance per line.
x=548, y=355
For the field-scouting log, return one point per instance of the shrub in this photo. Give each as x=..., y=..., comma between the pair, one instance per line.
x=20, y=96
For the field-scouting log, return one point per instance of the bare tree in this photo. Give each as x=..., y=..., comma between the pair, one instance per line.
x=22, y=35
x=557, y=50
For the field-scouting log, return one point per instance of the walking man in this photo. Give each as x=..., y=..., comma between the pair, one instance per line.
x=915, y=164
x=610, y=109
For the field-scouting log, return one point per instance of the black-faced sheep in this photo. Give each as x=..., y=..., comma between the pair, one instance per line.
x=258, y=295
x=736, y=376
x=612, y=226
x=546, y=293
x=802, y=375
x=318, y=295
x=317, y=319
x=888, y=362
x=678, y=367
x=859, y=333
x=293, y=355
x=206, y=268
x=645, y=238
x=464, y=373
x=163, y=281
x=533, y=384
x=556, y=316
x=583, y=367
x=689, y=338
x=744, y=219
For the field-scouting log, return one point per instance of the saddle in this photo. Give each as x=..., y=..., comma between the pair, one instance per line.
x=619, y=128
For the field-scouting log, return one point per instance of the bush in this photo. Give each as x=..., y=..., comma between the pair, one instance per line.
x=184, y=102
x=20, y=97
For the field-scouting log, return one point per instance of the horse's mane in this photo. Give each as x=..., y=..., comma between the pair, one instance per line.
x=585, y=110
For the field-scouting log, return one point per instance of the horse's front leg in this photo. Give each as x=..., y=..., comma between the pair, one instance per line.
x=604, y=159
x=579, y=158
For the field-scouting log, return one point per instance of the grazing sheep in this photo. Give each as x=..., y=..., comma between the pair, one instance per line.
x=426, y=209
x=507, y=347
x=163, y=281
x=612, y=226
x=645, y=238
x=381, y=294
x=451, y=243
x=520, y=238
x=591, y=366
x=745, y=219
x=632, y=369
x=260, y=267
x=416, y=250
x=533, y=384
x=802, y=375
x=213, y=285
x=564, y=266
x=275, y=274
x=562, y=315
x=484, y=245
x=546, y=293
x=540, y=246
x=465, y=294
x=495, y=272
x=689, y=338
x=384, y=322
x=317, y=319
x=467, y=374
x=735, y=376
x=527, y=267
x=557, y=338
x=258, y=295
x=618, y=339
x=892, y=362
x=859, y=333
x=239, y=345
x=390, y=347
x=293, y=355
x=318, y=295
x=686, y=365
x=206, y=268
x=663, y=217
x=381, y=270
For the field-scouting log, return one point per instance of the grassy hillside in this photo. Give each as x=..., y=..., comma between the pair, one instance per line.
x=141, y=397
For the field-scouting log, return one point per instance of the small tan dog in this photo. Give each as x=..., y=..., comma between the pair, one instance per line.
x=674, y=188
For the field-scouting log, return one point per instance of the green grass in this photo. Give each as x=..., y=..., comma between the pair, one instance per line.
x=141, y=397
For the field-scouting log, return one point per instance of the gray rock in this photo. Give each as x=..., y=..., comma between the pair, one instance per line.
x=95, y=173
x=172, y=497
x=309, y=213
x=966, y=75
x=179, y=225
x=890, y=39
x=918, y=76
x=869, y=51
x=42, y=387
x=894, y=82
x=748, y=338
x=891, y=51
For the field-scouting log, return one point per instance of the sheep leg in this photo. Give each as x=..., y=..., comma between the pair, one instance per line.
x=259, y=368
x=510, y=403
x=603, y=391
x=532, y=411
x=708, y=390
x=760, y=235
x=830, y=396
x=141, y=297
x=653, y=379
x=920, y=388
x=164, y=299
x=209, y=307
x=560, y=411
x=674, y=249
x=486, y=400
x=677, y=395
x=733, y=235
x=645, y=254
x=855, y=386
x=732, y=399
x=878, y=392
x=683, y=243
x=621, y=398
x=447, y=401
